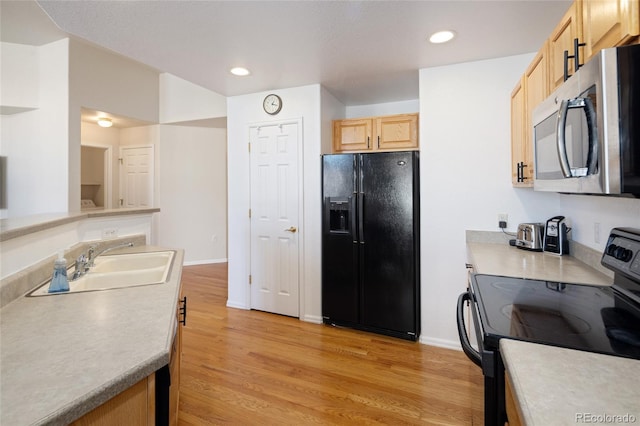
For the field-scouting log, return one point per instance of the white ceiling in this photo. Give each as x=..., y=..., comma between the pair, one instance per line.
x=364, y=52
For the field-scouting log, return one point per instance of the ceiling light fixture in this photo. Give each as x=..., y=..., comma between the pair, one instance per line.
x=240, y=71
x=104, y=122
x=442, y=36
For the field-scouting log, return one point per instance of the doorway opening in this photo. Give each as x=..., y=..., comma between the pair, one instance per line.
x=95, y=177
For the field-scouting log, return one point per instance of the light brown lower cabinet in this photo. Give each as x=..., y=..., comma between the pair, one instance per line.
x=510, y=403
x=134, y=406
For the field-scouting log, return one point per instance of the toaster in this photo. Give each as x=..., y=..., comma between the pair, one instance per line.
x=530, y=236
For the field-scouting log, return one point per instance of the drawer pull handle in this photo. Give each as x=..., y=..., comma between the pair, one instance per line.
x=183, y=311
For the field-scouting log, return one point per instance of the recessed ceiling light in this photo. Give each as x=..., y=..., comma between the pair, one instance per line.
x=442, y=36
x=239, y=71
x=104, y=122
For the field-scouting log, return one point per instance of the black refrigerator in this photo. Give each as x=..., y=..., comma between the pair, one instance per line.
x=371, y=242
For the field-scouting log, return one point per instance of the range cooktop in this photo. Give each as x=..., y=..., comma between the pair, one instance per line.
x=584, y=317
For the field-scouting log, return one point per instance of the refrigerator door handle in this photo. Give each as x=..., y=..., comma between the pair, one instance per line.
x=361, y=200
x=352, y=213
x=355, y=174
x=361, y=217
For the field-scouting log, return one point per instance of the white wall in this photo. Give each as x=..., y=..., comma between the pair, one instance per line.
x=19, y=73
x=181, y=100
x=331, y=109
x=388, y=108
x=465, y=178
x=193, y=192
x=585, y=211
x=35, y=142
x=241, y=111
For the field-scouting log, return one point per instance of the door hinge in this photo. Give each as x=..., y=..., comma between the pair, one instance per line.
x=121, y=161
x=121, y=201
x=249, y=279
x=249, y=146
x=249, y=213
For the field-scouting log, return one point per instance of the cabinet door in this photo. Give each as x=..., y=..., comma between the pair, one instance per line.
x=396, y=132
x=562, y=37
x=608, y=23
x=352, y=135
x=536, y=89
x=133, y=406
x=518, y=135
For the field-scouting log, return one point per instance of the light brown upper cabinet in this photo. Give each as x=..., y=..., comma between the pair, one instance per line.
x=386, y=133
x=352, y=135
x=608, y=23
x=561, y=40
x=532, y=89
x=599, y=24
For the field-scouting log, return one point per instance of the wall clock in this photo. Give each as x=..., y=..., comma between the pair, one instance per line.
x=272, y=104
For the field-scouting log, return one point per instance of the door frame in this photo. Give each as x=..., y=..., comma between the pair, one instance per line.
x=301, y=225
x=108, y=171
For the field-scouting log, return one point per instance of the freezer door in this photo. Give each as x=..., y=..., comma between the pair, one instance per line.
x=389, y=241
x=340, y=290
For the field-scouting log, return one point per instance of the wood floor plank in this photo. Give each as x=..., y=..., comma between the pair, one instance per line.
x=251, y=367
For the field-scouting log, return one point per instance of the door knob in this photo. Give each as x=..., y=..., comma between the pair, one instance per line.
x=292, y=229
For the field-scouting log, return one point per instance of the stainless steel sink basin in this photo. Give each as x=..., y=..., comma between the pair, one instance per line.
x=119, y=271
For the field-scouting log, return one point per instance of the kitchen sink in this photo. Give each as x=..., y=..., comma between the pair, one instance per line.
x=119, y=271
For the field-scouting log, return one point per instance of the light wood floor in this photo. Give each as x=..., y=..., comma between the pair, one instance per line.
x=249, y=367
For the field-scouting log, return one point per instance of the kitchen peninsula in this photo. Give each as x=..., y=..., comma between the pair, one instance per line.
x=64, y=355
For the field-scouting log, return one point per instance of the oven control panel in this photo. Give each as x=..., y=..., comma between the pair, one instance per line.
x=622, y=252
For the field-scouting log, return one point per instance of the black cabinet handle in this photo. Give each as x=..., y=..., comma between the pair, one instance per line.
x=183, y=311
x=520, y=173
x=576, y=53
x=576, y=58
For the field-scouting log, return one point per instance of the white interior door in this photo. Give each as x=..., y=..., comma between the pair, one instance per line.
x=275, y=184
x=136, y=176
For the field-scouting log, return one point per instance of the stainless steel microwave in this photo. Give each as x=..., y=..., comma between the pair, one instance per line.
x=587, y=133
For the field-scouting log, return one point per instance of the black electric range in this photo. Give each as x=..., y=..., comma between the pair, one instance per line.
x=570, y=315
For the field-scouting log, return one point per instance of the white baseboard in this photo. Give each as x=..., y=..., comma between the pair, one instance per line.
x=204, y=262
x=441, y=343
x=236, y=305
x=312, y=318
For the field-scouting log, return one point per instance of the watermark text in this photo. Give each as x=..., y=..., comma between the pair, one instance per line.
x=604, y=418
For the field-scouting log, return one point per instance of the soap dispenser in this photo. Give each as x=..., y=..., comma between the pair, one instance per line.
x=59, y=282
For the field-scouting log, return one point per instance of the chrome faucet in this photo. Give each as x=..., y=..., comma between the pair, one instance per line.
x=92, y=255
x=81, y=267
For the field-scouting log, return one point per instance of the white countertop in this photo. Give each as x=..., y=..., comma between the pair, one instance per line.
x=556, y=386
x=19, y=226
x=505, y=260
x=63, y=355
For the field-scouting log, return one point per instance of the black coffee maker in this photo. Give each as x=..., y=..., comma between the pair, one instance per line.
x=555, y=236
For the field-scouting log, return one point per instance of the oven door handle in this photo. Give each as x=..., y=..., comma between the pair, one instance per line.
x=471, y=353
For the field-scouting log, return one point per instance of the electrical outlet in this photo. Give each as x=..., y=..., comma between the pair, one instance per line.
x=109, y=233
x=503, y=219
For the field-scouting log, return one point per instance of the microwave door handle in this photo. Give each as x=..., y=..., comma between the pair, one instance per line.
x=594, y=146
x=561, y=140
